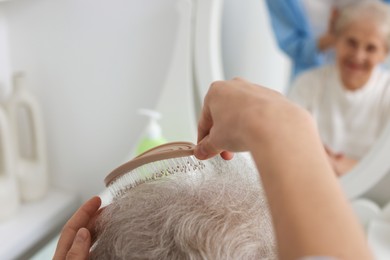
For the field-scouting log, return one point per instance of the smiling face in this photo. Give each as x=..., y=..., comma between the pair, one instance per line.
x=360, y=46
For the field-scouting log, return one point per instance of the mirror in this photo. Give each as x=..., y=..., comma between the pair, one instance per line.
x=370, y=177
x=333, y=92
x=100, y=61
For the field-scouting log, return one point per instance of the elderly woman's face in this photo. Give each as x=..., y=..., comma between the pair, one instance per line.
x=359, y=48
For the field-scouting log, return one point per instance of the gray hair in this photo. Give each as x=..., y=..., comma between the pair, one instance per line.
x=376, y=11
x=220, y=213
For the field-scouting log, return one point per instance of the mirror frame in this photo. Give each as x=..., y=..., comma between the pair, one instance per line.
x=371, y=169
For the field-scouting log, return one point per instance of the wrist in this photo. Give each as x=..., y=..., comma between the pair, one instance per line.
x=278, y=126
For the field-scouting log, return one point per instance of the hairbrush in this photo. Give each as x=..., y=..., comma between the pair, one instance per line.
x=158, y=162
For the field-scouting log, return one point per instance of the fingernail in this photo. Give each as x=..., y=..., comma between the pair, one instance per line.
x=81, y=235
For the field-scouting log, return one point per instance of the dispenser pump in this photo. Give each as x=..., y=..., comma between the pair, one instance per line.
x=153, y=135
x=153, y=130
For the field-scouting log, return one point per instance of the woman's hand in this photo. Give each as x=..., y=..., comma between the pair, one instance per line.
x=341, y=164
x=301, y=188
x=75, y=239
x=220, y=126
x=327, y=40
x=235, y=111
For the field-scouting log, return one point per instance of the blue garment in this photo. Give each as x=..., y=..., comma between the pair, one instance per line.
x=293, y=34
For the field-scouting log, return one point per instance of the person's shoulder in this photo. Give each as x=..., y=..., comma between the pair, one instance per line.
x=314, y=73
x=311, y=78
x=383, y=85
x=382, y=78
x=383, y=81
x=383, y=73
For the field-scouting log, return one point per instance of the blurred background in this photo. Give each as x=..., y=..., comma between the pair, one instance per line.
x=91, y=65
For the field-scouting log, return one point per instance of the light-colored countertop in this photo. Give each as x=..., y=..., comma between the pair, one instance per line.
x=35, y=224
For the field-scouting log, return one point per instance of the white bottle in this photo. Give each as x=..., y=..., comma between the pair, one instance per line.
x=31, y=155
x=9, y=194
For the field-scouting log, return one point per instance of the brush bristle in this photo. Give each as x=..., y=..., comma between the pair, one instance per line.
x=152, y=171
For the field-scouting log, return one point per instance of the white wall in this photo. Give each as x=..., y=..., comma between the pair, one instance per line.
x=92, y=63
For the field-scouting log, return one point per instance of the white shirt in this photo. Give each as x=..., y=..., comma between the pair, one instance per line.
x=349, y=122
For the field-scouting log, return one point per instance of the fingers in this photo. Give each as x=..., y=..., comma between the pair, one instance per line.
x=80, y=219
x=227, y=155
x=205, y=122
x=334, y=155
x=334, y=164
x=328, y=151
x=205, y=149
x=92, y=223
x=80, y=247
x=333, y=19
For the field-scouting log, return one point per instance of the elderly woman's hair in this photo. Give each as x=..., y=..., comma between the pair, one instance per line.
x=220, y=213
x=373, y=11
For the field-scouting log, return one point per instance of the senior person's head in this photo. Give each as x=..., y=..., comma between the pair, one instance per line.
x=218, y=213
x=362, y=41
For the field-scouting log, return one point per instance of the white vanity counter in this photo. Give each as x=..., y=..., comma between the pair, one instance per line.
x=36, y=223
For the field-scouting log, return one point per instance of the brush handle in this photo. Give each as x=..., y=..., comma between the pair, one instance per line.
x=158, y=153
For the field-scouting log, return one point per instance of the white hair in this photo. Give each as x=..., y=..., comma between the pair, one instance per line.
x=220, y=213
x=374, y=11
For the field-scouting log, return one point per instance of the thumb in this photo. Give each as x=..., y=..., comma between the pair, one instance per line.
x=205, y=149
x=81, y=245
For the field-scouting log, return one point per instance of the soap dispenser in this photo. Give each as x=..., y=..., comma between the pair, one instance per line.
x=153, y=136
x=9, y=193
x=31, y=156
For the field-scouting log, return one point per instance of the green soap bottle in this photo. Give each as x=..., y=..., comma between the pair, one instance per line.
x=153, y=136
